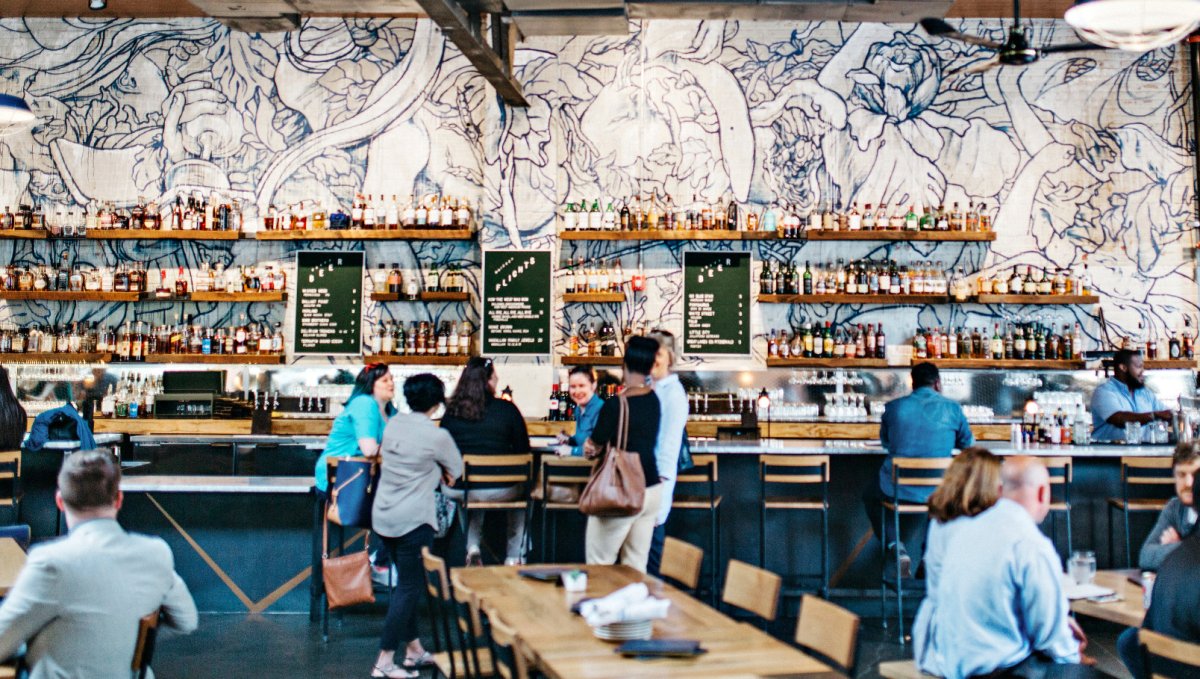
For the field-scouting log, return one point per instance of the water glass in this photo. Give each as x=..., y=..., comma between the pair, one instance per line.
x=1082, y=567
x=1133, y=432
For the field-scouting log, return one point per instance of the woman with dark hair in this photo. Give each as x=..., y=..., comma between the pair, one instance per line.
x=416, y=454
x=359, y=428
x=628, y=537
x=971, y=485
x=482, y=424
x=581, y=386
x=12, y=416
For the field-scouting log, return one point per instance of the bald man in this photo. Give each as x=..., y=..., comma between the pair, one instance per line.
x=1001, y=584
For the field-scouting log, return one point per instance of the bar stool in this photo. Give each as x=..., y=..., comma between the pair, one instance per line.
x=1146, y=474
x=702, y=477
x=10, y=482
x=915, y=473
x=508, y=470
x=570, y=474
x=1160, y=647
x=1062, y=472
x=800, y=473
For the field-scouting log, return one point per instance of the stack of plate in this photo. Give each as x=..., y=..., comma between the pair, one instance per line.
x=624, y=631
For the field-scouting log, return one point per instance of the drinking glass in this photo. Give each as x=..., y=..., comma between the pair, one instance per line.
x=1133, y=433
x=1082, y=567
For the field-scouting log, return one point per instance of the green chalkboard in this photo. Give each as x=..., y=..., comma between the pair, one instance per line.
x=716, y=303
x=328, y=303
x=516, y=302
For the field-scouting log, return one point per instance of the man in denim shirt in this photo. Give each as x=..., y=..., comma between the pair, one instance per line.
x=1125, y=398
x=922, y=424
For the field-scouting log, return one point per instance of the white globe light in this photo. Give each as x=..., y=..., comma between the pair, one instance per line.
x=1134, y=25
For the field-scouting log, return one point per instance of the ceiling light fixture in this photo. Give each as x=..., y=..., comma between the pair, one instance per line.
x=1134, y=25
x=14, y=115
x=97, y=4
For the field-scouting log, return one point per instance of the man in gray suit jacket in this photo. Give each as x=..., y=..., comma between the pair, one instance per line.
x=79, y=599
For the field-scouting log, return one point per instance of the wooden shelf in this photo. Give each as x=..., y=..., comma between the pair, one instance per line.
x=425, y=296
x=948, y=236
x=1001, y=364
x=594, y=297
x=55, y=358
x=827, y=362
x=1037, y=299
x=159, y=234
x=24, y=234
x=593, y=360
x=217, y=359
x=1170, y=364
x=853, y=299
x=661, y=234
x=265, y=296
x=457, y=359
x=368, y=234
x=71, y=296
x=153, y=426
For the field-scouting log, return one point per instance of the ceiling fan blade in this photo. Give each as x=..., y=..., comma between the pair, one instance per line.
x=1073, y=47
x=939, y=28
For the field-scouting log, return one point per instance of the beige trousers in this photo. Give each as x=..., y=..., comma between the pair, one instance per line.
x=624, y=536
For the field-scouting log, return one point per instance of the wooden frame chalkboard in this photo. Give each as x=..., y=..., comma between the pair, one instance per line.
x=516, y=302
x=716, y=303
x=328, y=315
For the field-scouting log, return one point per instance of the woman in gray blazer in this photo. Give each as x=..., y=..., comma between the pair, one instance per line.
x=416, y=456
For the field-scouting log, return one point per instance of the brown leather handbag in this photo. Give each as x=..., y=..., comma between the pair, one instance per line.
x=618, y=485
x=347, y=578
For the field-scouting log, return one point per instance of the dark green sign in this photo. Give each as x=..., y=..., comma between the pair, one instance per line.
x=516, y=302
x=716, y=303
x=328, y=303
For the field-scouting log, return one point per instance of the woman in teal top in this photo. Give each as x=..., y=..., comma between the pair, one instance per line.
x=359, y=428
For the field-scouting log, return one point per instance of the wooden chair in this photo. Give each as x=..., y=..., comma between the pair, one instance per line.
x=915, y=473
x=1146, y=486
x=1062, y=473
x=572, y=472
x=143, y=650
x=437, y=590
x=507, y=650
x=508, y=470
x=1160, y=647
x=681, y=562
x=795, y=483
x=902, y=669
x=828, y=629
x=752, y=589
x=477, y=658
x=10, y=482
x=696, y=490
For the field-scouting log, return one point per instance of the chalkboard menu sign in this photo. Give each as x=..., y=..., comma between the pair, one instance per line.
x=716, y=303
x=328, y=303
x=516, y=302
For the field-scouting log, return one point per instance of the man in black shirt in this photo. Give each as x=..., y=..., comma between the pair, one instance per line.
x=1174, y=609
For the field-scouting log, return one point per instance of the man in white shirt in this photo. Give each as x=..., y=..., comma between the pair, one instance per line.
x=1000, y=598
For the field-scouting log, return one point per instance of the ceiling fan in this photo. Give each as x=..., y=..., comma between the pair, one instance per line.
x=1016, y=51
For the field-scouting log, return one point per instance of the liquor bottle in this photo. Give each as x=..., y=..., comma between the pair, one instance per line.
x=433, y=279
x=638, y=282
x=997, y=350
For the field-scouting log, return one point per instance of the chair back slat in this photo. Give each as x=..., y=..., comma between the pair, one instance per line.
x=566, y=470
x=681, y=561
x=704, y=469
x=508, y=656
x=829, y=630
x=436, y=582
x=143, y=650
x=793, y=469
x=10, y=471
x=507, y=469
x=752, y=589
x=1147, y=471
x=1160, y=646
x=919, y=472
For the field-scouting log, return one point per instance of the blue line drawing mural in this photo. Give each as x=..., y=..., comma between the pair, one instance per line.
x=1078, y=155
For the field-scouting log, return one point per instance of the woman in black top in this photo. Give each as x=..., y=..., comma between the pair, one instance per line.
x=482, y=424
x=12, y=415
x=629, y=536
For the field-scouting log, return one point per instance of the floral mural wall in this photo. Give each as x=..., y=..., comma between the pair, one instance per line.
x=1078, y=155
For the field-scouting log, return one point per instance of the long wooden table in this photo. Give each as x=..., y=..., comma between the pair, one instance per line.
x=12, y=560
x=562, y=645
x=1128, y=611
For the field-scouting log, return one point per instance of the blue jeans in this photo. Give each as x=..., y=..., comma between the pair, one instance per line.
x=1131, y=653
x=400, y=625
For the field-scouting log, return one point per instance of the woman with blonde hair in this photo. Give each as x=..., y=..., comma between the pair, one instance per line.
x=971, y=485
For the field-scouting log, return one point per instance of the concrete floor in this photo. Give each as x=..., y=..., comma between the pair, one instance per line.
x=268, y=646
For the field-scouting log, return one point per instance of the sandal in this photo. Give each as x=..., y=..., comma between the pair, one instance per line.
x=423, y=660
x=388, y=672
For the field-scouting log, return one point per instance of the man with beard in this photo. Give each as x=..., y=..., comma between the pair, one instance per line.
x=1124, y=398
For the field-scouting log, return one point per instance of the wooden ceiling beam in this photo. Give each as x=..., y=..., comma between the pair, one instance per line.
x=494, y=62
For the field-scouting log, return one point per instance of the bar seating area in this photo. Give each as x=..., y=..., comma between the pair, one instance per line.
x=613, y=339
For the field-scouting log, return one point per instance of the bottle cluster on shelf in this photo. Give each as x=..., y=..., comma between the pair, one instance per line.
x=373, y=212
x=451, y=338
x=601, y=276
x=1020, y=340
x=882, y=217
x=1179, y=345
x=135, y=341
x=131, y=397
x=1033, y=280
x=198, y=213
x=409, y=284
x=814, y=340
x=863, y=277
x=1062, y=426
x=592, y=340
x=135, y=277
x=560, y=407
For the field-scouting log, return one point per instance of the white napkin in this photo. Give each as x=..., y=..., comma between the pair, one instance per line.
x=1090, y=591
x=629, y=603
